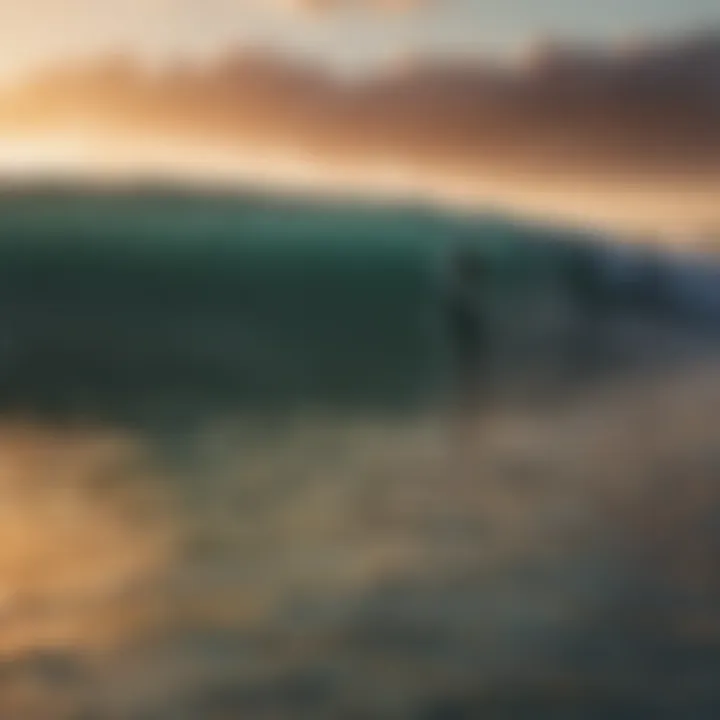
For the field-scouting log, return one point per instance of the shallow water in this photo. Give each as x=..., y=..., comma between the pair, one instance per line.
x=556, y=564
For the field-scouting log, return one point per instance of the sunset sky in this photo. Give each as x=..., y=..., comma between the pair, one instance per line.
x=36, y=31
x=599, y=111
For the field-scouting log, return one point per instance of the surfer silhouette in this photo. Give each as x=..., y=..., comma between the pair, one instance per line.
x=469, y=330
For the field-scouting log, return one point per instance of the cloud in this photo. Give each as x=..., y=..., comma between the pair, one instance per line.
x=398, y=6
x=310, y=7
x=329, y=7
x=630, y=133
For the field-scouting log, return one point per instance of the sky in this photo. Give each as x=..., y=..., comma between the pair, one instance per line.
x=593, y=112
x=346, y=32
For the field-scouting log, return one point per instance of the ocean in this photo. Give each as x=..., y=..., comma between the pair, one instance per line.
x=235, y=480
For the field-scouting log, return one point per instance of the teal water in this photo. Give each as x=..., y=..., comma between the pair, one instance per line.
x=186, y=300
x=141, y=304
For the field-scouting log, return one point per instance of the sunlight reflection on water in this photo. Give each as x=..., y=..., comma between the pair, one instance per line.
x=284, y=577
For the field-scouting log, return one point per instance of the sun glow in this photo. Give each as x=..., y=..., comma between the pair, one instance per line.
x=664, y=209
x=25, y=157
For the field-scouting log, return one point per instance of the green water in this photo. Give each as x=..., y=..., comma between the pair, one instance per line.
x=153, y=303
x=185, y=300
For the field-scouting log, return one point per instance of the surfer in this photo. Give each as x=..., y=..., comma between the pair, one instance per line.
x=587, y=282
x=468, y=325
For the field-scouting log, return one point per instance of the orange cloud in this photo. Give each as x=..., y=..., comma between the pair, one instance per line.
x=310, y=7
x=322, y=7
x=578, y=132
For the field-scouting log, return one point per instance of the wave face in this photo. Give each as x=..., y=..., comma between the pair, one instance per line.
x=131, y=304
x=144, y=302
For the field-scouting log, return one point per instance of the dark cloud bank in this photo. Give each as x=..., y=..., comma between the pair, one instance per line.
x=638, y=124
